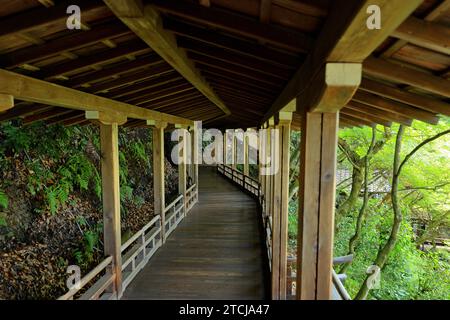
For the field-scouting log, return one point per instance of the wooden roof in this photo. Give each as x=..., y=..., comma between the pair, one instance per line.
x=246, y=52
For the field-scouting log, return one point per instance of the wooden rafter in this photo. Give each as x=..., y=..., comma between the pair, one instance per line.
x=397, y=73
x=281, y=37
x=425, y=34
x=130, y=47
x=395, y=107
x=146, y=23
x=34, y=90
x=76, y=39
x=344, y=38
x=400, y=95
x=41, y=17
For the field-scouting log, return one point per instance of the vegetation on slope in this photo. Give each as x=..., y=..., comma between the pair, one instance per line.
x=50, y=202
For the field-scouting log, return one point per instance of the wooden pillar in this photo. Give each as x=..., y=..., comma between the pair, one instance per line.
x=225, y=153
x=275, y=179
x=316, y=205
x=109, y=145
x=246, y=155
x=281, y=208
x=234, y=150
x=159, y=174
x=182, y=165
x=196, y=148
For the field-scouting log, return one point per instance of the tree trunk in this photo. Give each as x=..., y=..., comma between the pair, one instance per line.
x=384, y=252
x=362, y=210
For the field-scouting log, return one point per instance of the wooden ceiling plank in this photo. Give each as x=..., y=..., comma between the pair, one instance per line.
x=182, y=89
x=382, y=114
x=164, y=88
x=39, y=91
x=212, y=76
x=197, y=50
x=54, y=112
x=75, y=40
x=364, y=116
x=344, y=38
x=22, y=110
x=147, y=24
x=238, y=24
x=130, y=47
x=201, y=62
x=41, y=17
x=396, y=107
x=397, y=73
x=425, y=34
x=254, y=50
x=144, y=86
x=400, y=95
x=64, y=117
x=439, y=10
x=232, y=74
x=153, y=72
x=239, y=88
x=117, y=69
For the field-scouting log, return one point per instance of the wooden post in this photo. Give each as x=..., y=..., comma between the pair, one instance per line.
x=275, y=213
x=109, y=145
x=246, y=155
x=159, y=175
x=316, y=205
x=182, y=167
x=196, y=148
x=225, y=154
x=234, y=150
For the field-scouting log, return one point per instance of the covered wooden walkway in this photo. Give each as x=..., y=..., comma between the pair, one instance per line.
x=215, y=253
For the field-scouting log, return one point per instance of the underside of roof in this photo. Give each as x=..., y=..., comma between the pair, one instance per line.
x=245, y=51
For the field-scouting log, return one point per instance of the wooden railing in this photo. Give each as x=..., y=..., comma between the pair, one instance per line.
x=98, y=289
x=138, y=250
x=174, y=213
x=339, y=291
x=191, y=197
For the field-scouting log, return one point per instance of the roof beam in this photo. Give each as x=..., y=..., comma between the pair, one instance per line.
x=382, y=114
x=416, y=100
x=76, y=39
x=344, y=38
x=281, y=37
x=130, y=47
x=254, y=50
x=29, y=89
x=425, y=34
x=394, y=72
x=395, y=107
x=146, y=23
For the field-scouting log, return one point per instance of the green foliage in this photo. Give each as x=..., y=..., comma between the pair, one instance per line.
x=3, y=200
x=410, y=273
x=85, y=254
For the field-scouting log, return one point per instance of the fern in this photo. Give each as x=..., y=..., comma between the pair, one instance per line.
x=3, y=200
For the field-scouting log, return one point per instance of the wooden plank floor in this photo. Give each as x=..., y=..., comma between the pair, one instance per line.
x=215, y=253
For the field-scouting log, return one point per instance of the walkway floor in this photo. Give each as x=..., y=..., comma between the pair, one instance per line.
x=215, y=253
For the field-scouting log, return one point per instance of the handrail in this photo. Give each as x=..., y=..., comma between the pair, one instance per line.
x=167, y=208
x=338, y=286
x=134, y=259
x=176, y=214
x=88, y=277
